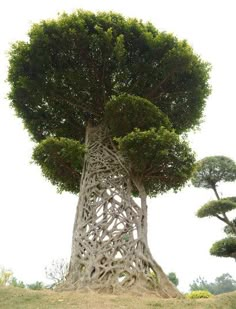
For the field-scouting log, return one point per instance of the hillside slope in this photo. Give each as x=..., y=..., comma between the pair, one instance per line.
x=16, y=298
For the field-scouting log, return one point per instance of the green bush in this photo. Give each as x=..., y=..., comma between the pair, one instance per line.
x=17, y=283
x=199, y=294
x=173, y=278
x=36, y=286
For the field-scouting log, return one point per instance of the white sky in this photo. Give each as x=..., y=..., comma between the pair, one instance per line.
x=36, y=222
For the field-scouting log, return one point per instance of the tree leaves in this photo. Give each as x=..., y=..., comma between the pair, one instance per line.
x=158, y=157
x=224, y=248
x=67, y=71
x=87, y=68
x=212, y=170
x=125, y=113
x=61, y=161
x=216, y=208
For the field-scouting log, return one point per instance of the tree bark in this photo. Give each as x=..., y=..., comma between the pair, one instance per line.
x=109, y=248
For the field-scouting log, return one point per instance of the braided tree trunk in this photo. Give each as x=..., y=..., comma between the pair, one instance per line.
x=109, y=248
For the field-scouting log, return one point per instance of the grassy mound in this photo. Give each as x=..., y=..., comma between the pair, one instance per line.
x=16, y=298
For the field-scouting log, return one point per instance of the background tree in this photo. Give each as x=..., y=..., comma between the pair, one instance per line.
x=222, y=284
x=173, y=278
x=106, y=98
x=200, y=284
x=56, y=272
x=17, y=283
x=209, y=172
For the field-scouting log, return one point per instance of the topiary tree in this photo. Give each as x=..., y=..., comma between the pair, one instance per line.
x=212, y=170
x=208, y=173
x=106, y=98
x=219, y=209
x=225, y=247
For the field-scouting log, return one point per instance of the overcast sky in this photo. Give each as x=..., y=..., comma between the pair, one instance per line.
x=36, y=222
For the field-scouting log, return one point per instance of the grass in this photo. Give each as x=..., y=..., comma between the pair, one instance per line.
x=16, y=298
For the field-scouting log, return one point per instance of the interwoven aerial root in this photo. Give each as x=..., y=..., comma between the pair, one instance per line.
x=109, y=250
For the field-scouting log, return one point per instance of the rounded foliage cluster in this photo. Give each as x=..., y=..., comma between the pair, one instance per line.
x=199, y=294
x=160, y=158
x=69, y=68
x=225, y=247
x=214, y=208
x=61, y=161
x=211, y=170
x=124, y=113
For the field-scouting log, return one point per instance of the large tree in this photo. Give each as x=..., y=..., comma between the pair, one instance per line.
x=106, y=99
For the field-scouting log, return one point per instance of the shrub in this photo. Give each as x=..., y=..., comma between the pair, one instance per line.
x=17, y=283
x=199, y=294
x=36, y=286
x=173, y=278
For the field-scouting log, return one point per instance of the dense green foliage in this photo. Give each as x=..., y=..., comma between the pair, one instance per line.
x=173, y=278
x=159, y=158
x=225, y=247
x=94, y=69
x=212, y=170
x=125, y=113
x=216, y=208
x=199, y=294
x=61, y=160
x=72, y=66
x=222, y=284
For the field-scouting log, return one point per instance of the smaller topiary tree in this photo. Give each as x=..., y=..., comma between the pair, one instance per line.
x=225, y=247
x=218, y=209
x=209, y=172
